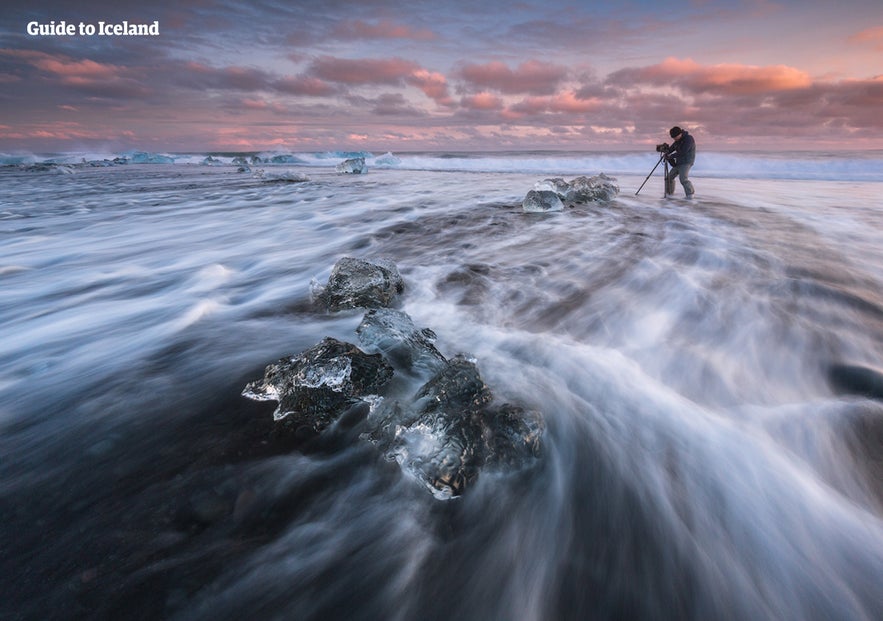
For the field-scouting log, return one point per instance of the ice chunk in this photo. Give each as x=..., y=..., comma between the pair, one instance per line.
x=553, y=194
x=393, y=334
x=557, y=185
x=334, y=373
x=140, y=157
x=443, y=461
x=280, y=176
x=285, y=158
x=540, y=201
x=359, y=283
x=353, y=166
x=588, y=189
x=512, y=436
x=437, y=438
x=319, y=384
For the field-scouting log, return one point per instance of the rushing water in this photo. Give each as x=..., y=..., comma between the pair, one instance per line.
x=700, y=459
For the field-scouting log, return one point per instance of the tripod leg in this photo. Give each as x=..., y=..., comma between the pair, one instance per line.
x=652, y=171
x=669, y=182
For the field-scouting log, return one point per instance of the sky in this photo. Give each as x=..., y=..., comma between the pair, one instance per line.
x=420, y=75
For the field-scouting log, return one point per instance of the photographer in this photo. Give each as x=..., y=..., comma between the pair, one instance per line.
x=681, y=155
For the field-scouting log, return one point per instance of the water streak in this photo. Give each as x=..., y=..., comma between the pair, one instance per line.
x=707, y=453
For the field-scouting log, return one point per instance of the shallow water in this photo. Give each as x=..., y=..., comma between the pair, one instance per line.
x=699, y=461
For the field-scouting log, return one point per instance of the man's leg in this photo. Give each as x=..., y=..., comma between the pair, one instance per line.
x=683, y=177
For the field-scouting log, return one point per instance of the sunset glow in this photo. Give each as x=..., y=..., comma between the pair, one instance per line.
x=444, y=75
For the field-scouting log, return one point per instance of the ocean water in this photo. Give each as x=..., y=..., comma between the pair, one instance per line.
x=709, y=373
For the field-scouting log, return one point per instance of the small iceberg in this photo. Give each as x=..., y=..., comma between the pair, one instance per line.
x=281, y=176
x=141, y=157
x=353, y=166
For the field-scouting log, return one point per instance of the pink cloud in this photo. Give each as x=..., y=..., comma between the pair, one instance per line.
x=81, y=69
x=101, y=79
x=363, y=71
x=393, y=104
x=568, y=102
x=434, y=85
x=96, y=79
x=237, y=78
x=383, y=29
x=721, y=79
x=560, y=103
x=66, y=67
x=870, y=35
x=304, y=85
x=855, y=103
x=262, y=105
x=389, y=71
x=245, y=138
x=200, y=76
x=482, y=101
x=55, y=130
x=531, y=76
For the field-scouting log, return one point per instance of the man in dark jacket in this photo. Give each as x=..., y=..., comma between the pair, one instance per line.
x=681, y=156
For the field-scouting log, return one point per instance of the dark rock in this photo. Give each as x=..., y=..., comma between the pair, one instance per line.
x=318, y=385
x=358, y=283
x=393, y=334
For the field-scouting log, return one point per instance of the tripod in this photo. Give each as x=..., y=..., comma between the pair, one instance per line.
x=665, y=170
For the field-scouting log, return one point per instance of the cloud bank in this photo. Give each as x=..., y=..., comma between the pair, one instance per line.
x=414, y=80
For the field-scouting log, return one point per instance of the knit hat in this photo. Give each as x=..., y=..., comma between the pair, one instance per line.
x=674, y=131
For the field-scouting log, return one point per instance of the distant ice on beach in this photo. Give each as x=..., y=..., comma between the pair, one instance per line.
x=808, y=165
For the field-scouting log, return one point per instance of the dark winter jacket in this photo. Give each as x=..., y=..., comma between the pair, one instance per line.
x=683, y=151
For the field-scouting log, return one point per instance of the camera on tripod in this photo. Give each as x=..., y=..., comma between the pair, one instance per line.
x=663, y=148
